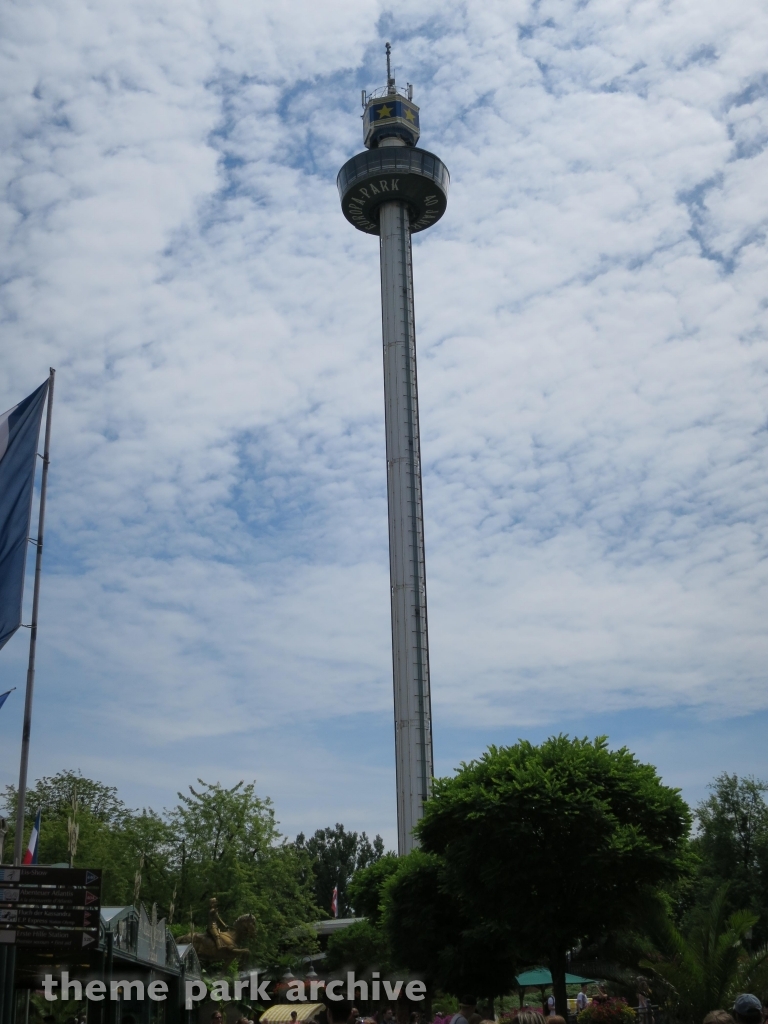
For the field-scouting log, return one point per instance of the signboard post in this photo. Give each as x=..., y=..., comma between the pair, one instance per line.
x=49, y=910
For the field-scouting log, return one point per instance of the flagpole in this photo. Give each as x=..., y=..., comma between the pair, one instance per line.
x=19, y=837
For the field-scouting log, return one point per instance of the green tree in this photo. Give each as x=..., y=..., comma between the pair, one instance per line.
x=360, y=947
x=560, y=841
x=414, y=923
x=228, y=845
x=706, y=968
x=216, y=842
x=112, y=837
x=430, y=930
x=732, y=843
x=335, y=856
x=366, y=886
x=53, y=796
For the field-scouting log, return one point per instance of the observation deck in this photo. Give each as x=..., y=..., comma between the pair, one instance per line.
x=414, y=176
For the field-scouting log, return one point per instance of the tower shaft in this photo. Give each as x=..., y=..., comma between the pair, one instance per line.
x=393, y=190
x=410, y=650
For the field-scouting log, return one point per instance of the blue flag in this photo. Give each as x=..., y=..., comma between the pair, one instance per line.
x=4, y=696
x=19, y=434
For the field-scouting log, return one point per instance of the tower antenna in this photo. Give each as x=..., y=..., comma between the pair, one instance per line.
x=390, y=79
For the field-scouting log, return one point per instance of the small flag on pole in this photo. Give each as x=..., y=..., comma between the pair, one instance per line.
x=19, y=434
x=4, y=696
x=335, y=901
x=30, y=857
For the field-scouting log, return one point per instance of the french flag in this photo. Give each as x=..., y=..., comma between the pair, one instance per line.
x=30, y=857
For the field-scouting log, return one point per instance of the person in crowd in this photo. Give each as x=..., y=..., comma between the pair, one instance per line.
x=601, y=996
x=354, y=1016
x=388, y=1016
x=528, y=1016
x=747, y=1009
x=582, y=999
x=294, y=1017
x=718, y=1017
x=467, y=1008
x=643, y=995
x=550, y=1006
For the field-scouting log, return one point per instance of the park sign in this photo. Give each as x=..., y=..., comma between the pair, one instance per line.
x=50, y=910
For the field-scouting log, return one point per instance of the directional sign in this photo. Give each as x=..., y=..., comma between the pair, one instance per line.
x=47, y=940
x=32, y=874
x=46, y=895
x=48, y=917
x=54, y=910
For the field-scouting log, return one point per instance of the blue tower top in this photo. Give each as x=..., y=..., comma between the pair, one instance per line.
x=390, y=113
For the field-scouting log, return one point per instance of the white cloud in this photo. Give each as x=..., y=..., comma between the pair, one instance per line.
x=592, y=370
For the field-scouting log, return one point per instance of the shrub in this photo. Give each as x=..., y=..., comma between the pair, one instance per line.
x=610, y=1011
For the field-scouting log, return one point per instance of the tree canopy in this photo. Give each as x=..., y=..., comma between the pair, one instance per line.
x=431, y=930
x=560, y=840
x=216, y=841
x=709, y=965
x=336, y=855
x=732, y=844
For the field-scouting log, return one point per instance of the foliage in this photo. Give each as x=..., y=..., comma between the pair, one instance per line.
x=359, y=947
x=335, y=856
x=430, y=931
x=365, y=888
x=111, y=837
x=60, y=1012
x=608, y=1011
x=216, y=841
x=53, y=796
x=732, y=844
x=709, y=966
x=415, y=923
x=564, y=841
x=228, y=845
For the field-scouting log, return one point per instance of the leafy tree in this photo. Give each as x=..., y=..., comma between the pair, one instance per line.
x=366, y=886
x=53, y=796
x=705, y=969
x=430, y=930
x=360, y=947
x=414, y=922
x=336, y=855
x=216, y=842
x=733, y=845
x=228, y=845
x=112, y=837
x=562, y=842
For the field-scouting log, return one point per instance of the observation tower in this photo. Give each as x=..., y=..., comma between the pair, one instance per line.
x=392, y=190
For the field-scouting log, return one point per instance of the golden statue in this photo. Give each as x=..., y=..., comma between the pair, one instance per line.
x=219, y=941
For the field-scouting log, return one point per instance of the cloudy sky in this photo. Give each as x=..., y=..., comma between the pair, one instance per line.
x=591, y=324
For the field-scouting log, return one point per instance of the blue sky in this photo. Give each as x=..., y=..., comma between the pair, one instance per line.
x=592, y=366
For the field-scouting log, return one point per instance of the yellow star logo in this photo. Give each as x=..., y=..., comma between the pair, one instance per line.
x=409, y=115
x=385, y=111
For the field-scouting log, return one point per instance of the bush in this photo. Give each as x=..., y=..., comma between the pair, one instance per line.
x=610, y=1011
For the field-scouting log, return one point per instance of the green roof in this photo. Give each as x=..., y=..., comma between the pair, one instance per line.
x=542, y=977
